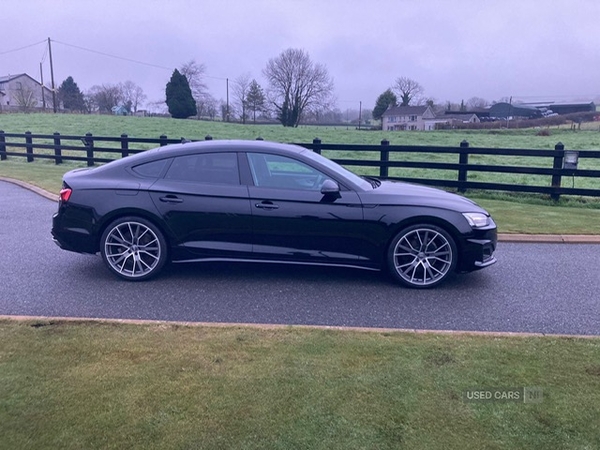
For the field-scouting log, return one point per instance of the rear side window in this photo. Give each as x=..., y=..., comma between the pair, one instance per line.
x=151, y=169
x=219, y=168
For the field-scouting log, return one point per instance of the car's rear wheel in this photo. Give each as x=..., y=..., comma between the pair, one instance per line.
x=133, y=248
x=422, y=256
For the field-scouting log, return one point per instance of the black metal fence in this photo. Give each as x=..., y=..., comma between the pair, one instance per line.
x=98, y=149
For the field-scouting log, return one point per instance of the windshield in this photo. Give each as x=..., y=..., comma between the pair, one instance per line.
x=350, y=176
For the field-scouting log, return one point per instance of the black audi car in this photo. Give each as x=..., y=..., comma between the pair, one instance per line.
x=259, y=201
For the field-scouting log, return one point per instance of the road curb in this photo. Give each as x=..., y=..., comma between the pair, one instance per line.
x=550, y=238
x=502, y=237
x=299, y=327
x=31, y=187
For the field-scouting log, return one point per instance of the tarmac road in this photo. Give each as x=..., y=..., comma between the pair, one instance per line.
x=537, y=288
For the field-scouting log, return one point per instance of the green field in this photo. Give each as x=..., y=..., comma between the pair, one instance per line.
x=149, y=127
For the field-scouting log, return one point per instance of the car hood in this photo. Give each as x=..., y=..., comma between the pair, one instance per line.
x=400, y=193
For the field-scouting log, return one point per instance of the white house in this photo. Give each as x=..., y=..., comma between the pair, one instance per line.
x=400, y=118
x=23, y=93
x=419, y=118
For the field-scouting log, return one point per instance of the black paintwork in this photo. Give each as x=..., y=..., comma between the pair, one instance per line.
x=212, y=220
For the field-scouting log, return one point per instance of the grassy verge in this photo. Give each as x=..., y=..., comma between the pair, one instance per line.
x=89, y=385
x=531, y=215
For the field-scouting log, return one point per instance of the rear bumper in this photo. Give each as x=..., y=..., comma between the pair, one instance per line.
x=73, y=239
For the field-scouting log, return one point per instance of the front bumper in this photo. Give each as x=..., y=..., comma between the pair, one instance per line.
x=478, y=251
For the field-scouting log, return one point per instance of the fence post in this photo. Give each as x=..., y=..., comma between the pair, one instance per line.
x=57, y=148
x=163, y=140
x=557, y=165
x=124, y=146
x=89, y=143
x=29, y=146
x=463, y=160
x=317, y=146
x=2, y=146
x=384, y=158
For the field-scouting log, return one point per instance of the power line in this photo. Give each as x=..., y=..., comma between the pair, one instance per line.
x=128, y=59
x=21, y=48
x=114, y=56
x=44, y=55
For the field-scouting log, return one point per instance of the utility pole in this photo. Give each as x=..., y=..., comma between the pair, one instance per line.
x=42, y=81
x=227, y=113
x=359, y=113
x=52, y=76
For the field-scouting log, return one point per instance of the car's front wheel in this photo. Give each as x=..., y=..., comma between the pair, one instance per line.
x=422, y=256
x=133, y=248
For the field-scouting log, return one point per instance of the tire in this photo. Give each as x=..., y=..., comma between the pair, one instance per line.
x=133, y=248
x=422, y=256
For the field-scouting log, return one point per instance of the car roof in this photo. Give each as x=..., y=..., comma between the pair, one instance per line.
x=226, y=145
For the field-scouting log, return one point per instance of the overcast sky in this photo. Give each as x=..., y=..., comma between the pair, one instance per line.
x=456, y=49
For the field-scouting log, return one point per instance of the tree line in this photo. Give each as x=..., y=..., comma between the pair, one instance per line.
x=297, y=89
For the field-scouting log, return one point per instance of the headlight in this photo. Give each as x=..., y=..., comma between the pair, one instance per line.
x=477, y=220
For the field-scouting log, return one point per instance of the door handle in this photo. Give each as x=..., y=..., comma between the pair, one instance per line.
x=171, y=199
x=267, y=205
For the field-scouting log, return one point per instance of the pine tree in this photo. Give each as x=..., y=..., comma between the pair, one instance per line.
x=70, y=95
x=384, y=101
x=255, y=100
x=180, y=101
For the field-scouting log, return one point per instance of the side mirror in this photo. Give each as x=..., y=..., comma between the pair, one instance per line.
x=330, y=187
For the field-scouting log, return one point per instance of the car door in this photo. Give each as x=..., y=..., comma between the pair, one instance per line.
x=293, y=220
x=205, y=206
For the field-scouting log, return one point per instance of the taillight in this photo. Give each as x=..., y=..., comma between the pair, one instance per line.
x=65, y=194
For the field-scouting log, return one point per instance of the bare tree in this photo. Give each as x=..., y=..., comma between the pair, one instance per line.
x=477, y=102
x=132, y=95
x=207, y=106
x=195, y=74
x=25, y=99
x=408, y=90
x=296, y=85
x=211, y=107
x=241, y=88
x=104, y=98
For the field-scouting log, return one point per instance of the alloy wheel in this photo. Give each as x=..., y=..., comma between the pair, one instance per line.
x=422, y=256
x=133, y=250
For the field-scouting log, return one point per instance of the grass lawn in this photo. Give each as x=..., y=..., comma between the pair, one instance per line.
x=73, y=385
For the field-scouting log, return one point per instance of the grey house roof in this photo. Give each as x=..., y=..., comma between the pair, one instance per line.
x=406, y=110
x=7, y=78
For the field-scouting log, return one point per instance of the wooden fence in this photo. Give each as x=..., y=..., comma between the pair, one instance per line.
x=385, y=157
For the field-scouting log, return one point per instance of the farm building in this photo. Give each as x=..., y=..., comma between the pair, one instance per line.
x=505, y=110
x=23, y=93
x=564, y=108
